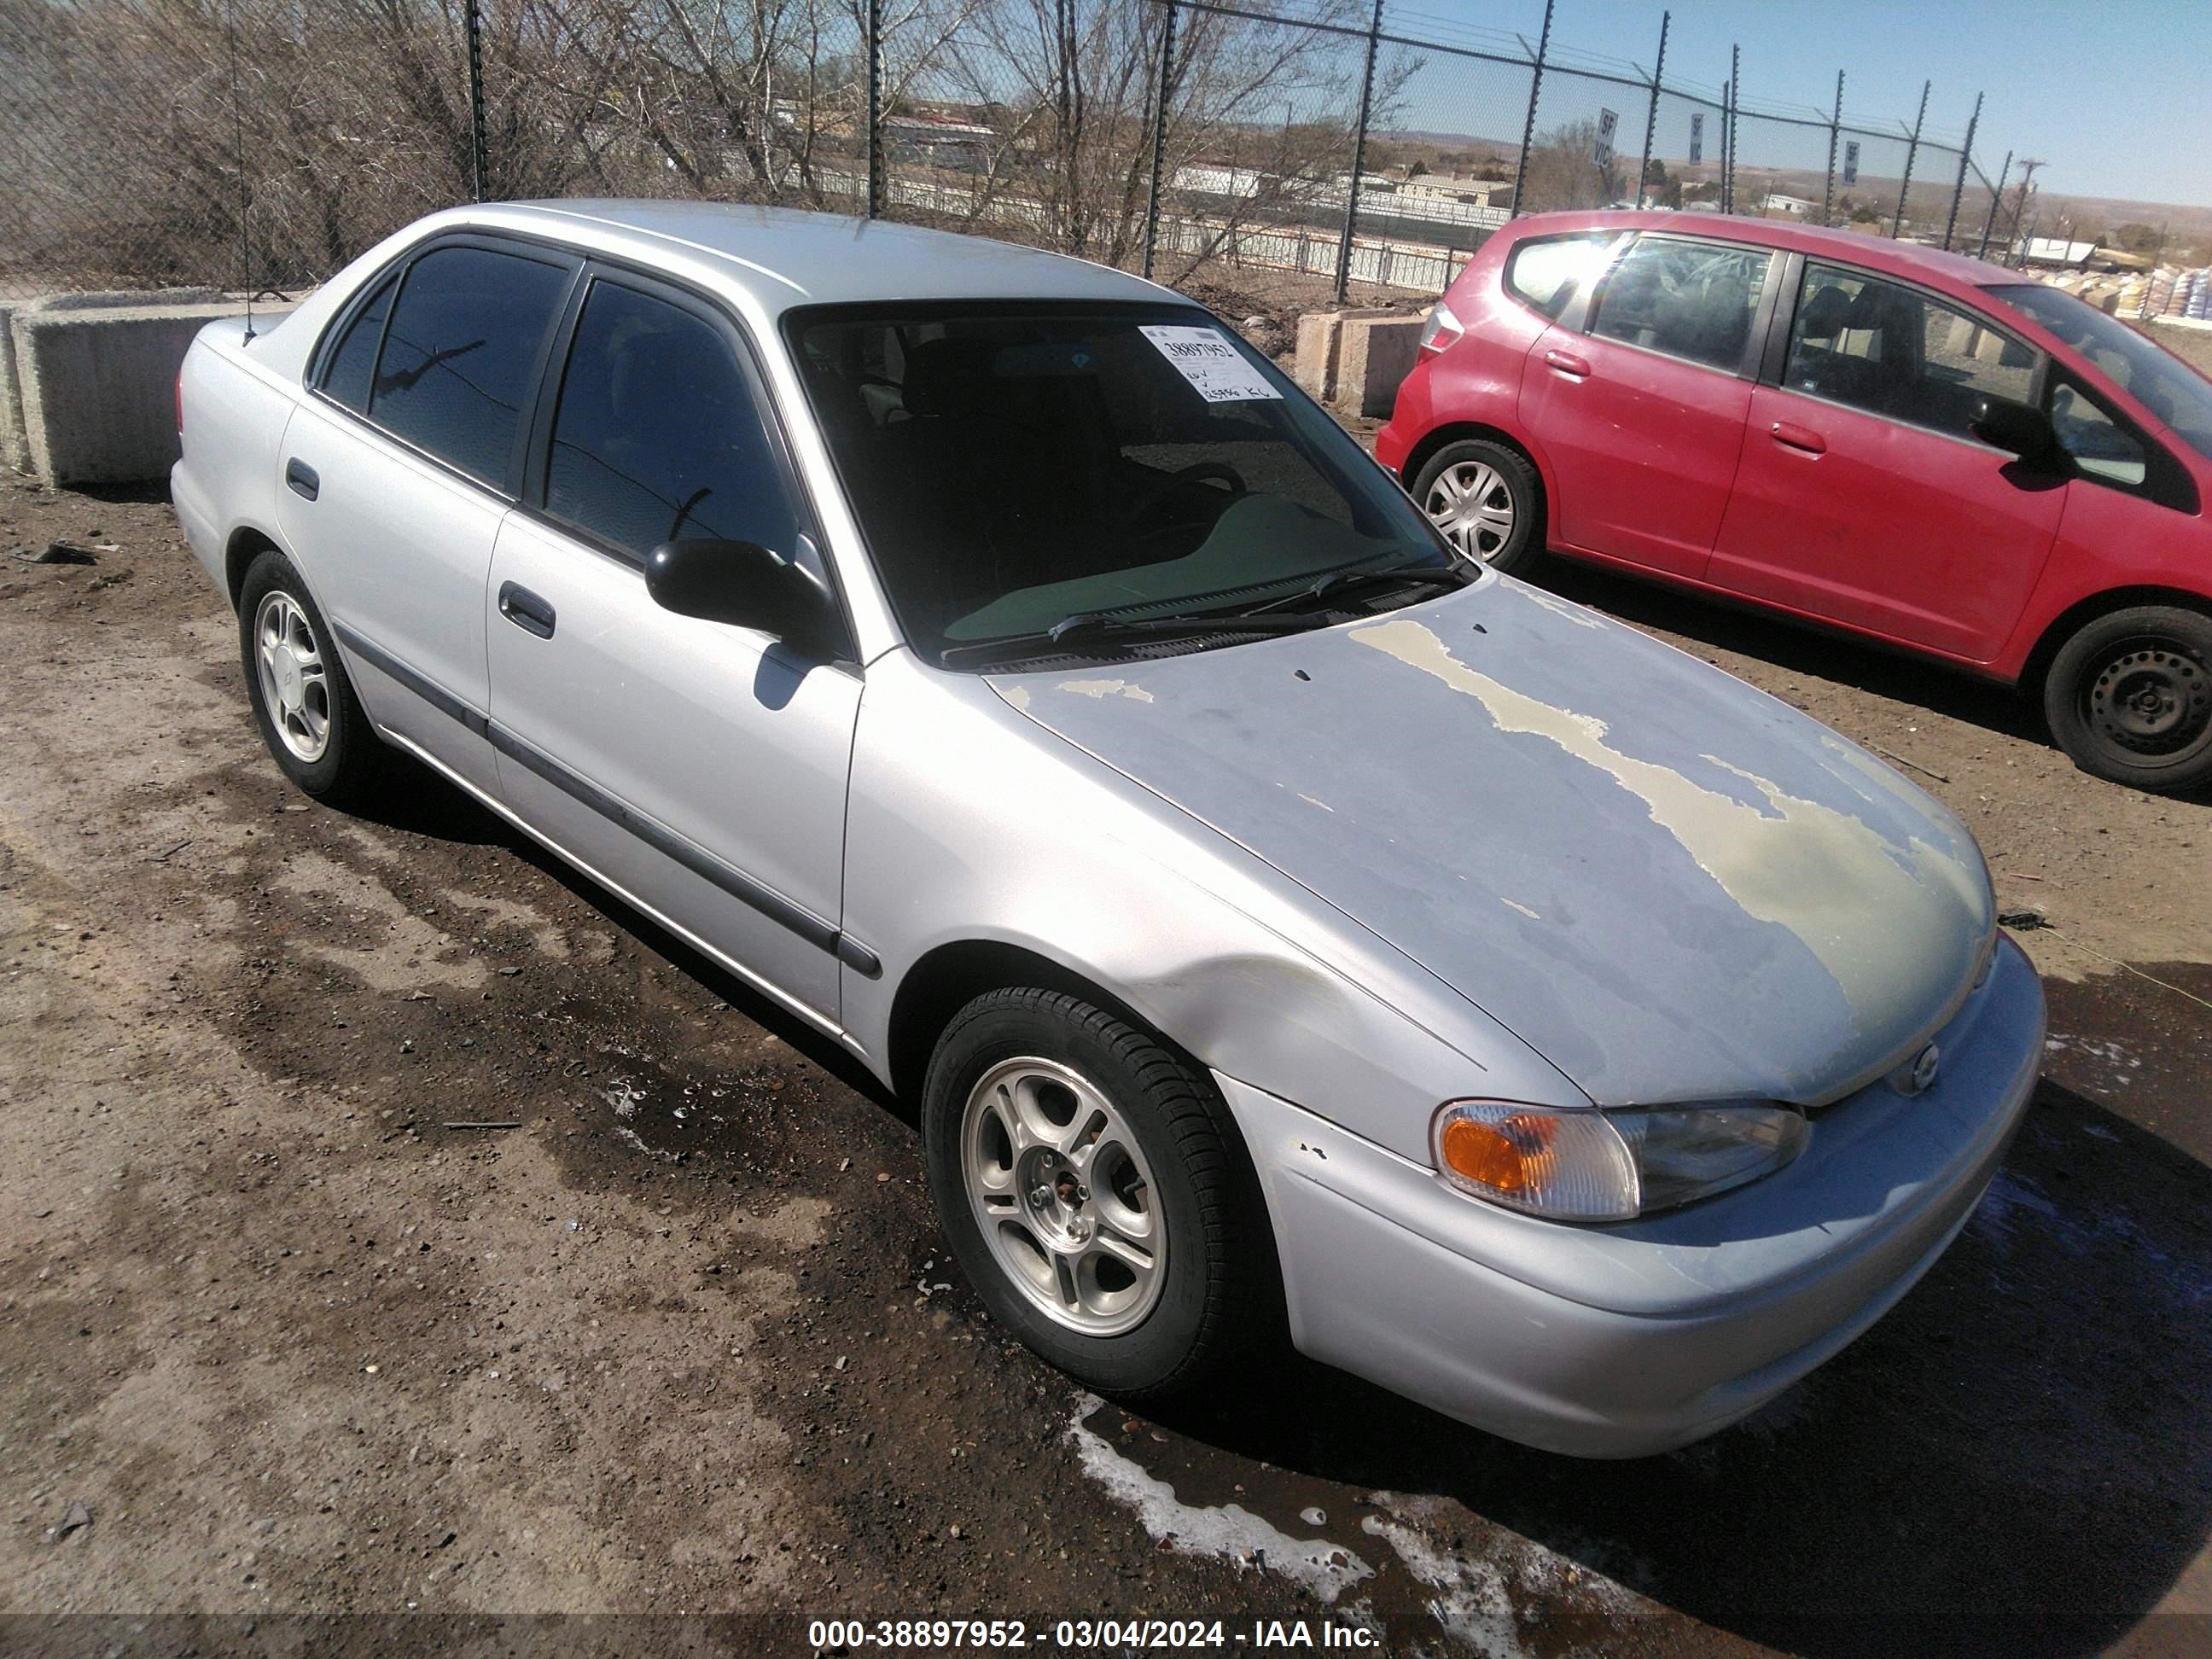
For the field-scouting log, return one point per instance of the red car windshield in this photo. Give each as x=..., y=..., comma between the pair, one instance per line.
x=2176, y=394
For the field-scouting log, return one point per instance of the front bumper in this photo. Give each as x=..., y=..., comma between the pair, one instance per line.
x=1624, y=1341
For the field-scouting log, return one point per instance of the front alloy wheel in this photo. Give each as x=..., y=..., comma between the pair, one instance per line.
x=1061, y=1191
x=1096, y=1194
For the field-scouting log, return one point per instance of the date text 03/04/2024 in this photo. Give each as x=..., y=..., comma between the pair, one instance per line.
x=1080, y=1635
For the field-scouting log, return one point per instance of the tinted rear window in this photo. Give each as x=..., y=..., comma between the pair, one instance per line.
x=1546, y=273
x=460, y=352
x=347, y=378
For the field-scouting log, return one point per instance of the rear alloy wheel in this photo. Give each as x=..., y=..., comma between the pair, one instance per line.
x=305, y=706
x=2129, y=698
x=1485, y=500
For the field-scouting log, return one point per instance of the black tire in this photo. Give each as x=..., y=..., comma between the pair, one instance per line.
x=1517, y=487
x=1220, y=1291
x=2129, y=698
x=351, y=763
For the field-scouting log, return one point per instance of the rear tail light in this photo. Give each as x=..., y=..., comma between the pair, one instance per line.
x=1439, y=332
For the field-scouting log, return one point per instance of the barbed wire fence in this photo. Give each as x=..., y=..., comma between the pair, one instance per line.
x=259, y=144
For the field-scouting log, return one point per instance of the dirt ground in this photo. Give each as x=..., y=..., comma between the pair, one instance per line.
x=286, y=1329
x=2191, y=345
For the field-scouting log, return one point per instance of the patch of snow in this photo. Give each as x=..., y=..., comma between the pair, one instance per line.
x=1230, y=1533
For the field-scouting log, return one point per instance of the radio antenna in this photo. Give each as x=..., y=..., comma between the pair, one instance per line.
x=244, y=196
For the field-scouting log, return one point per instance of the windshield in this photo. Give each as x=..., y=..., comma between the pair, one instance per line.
x=1015, y=466
x=2180, y=398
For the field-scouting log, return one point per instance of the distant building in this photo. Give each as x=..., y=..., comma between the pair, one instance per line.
x=1776, y=205
x=2050, y=250
x=937, y=140
x=1470, y=192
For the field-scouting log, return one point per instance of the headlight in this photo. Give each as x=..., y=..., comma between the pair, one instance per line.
x=1609, y=1166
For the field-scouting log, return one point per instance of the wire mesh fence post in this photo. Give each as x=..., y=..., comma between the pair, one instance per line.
x=1897, y=224
x=1358, y=157
x=1997, y=196
x=1528, y=126
x=1651, y=115
x=474, y=28
x=1959, y=190
x=872, y=117
x=1160, y=89
x=1835, y=132
x=1731, y=100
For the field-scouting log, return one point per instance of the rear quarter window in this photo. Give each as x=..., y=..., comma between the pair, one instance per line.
x=1546, y=272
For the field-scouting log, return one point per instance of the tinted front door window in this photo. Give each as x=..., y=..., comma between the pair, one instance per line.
x=1893, y=351
x=460, y=352
x=658, y=438
x=1690, y=300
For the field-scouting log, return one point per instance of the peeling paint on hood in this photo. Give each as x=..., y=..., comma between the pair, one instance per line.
x=1828, y=875
x=1672, y=885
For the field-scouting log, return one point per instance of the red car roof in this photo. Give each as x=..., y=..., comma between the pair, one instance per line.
x=1924, y=264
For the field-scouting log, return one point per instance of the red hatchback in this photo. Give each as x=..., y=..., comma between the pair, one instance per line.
x=1918, y=448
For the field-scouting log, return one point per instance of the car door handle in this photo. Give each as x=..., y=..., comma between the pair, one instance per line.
x=1799, y=437
x=526, y=610
x=1567, y=363
x=302, y=479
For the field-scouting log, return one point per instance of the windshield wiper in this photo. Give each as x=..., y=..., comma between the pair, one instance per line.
x=1105, y=624
x=1455, y=575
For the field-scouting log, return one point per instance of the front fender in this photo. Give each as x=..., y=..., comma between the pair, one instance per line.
x=969, y=822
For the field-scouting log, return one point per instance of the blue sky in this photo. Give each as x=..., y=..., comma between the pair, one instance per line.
x=2115, y=94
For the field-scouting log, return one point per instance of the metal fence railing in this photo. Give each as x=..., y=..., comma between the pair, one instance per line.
x=250, y=144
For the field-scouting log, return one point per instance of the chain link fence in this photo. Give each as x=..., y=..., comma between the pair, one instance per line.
x=259, y=145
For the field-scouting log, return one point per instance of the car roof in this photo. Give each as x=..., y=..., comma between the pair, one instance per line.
x=784, y=258
x=1909, y=259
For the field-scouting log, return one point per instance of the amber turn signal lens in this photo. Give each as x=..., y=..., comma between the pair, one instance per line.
x=1497, y=1155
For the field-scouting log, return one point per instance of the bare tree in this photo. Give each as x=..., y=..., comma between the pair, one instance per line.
x=1564, y=171
x=1258, y=120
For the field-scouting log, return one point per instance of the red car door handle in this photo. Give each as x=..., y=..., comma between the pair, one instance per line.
x=1566, y=362
x=1800, y=437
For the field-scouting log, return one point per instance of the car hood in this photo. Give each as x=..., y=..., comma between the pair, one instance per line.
x=1670, y=885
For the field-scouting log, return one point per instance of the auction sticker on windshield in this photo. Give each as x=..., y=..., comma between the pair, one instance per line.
x=1209, y=362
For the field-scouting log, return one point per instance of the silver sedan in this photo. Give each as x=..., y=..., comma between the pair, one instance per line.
x=1279, y=919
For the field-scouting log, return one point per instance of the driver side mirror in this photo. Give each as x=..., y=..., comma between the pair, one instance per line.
x=2021, y=429
x=747, y=586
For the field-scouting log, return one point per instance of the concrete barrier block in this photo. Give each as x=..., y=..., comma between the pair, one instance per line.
x=1315, y=367
x=1352, y=360
x=14, y=442
x=1374, y=355
x=97, y=383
